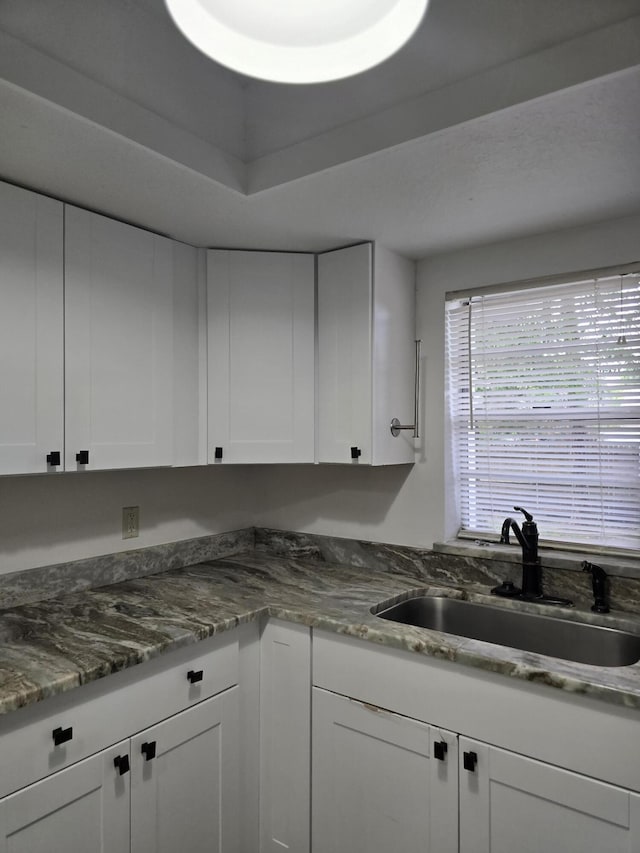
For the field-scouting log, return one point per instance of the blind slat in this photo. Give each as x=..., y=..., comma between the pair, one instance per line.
x=544, y=397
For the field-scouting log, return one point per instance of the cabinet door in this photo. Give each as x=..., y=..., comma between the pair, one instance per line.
x=82, y=809
x=394, y=357
x=261, y=356
x=285, y=733
x=184, y=787
x=509, y=803
x=344, y=354
x=375, y=784
x=31, y=331
x=119, y=346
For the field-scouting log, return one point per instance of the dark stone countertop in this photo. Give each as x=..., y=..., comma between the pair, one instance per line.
x=55, y=645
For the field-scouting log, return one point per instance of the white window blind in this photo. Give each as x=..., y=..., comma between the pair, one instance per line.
x=544, y=403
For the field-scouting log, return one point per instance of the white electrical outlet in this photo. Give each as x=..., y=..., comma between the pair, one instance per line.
x=130, y=522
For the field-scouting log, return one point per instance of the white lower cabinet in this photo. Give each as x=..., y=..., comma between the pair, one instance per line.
x=509, y=802
x=377, y=783
x=154, y=759
x=387, y=775
x=82, y=809
x=184, y=781
x=285, y=737
x=384, y=782
x=93, y=772
x=172, y=787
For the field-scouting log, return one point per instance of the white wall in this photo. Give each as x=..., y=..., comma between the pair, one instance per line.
x=413, y=506
x=46, y=519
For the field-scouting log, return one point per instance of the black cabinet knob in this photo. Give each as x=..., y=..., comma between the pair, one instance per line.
x=355, y=452
x=469, y=761
x=440, y=750
x=149, y=750
x=195, y=675
x=61, y=735
x=218, y=453
x=83, y=457
x=53, y=458
x=121, y=763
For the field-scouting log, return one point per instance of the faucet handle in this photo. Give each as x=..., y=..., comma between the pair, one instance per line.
x=527, y=515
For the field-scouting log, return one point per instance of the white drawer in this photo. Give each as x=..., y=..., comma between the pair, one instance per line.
x=103, y=712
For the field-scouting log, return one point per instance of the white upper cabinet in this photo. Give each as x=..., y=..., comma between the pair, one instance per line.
x=260, y=356
x=31, y=330
x=119, y=369
x=366, y=355
x=189, y=355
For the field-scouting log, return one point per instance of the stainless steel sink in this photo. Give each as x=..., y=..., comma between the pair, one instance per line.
x=544, y=635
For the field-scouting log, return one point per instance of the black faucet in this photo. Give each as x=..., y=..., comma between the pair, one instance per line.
x=528, y=539
x=531, y=567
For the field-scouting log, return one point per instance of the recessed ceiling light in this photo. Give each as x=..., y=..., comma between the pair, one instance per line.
x=298, y=41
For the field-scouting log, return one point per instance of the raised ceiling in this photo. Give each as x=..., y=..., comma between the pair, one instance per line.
x=499, y=118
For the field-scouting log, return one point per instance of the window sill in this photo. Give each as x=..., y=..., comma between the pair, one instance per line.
x=626, y=567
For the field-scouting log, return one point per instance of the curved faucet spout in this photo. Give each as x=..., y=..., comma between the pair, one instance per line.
x=511, y=524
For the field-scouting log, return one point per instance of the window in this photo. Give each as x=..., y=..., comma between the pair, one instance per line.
x=544, y=405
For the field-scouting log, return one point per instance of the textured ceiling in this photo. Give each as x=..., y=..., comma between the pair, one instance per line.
x=457, y=40
x=500, y=118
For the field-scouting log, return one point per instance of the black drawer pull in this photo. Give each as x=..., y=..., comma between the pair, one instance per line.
x=82, y=457
x=469, y=761
x=440, y=750
x=217, y=453
x=195, y=675
x=61, y=735
x=53, y=458
x=149, y=750
x=121, y=763
x=355, y=452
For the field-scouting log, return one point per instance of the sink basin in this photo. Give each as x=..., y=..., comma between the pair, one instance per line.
x=544, y=635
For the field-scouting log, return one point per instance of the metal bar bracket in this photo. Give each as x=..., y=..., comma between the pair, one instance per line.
x=396, y=427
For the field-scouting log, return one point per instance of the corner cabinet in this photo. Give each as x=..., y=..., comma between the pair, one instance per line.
x=31, y=332
x=366, y=356
x=261, y=329
x=118, y=343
